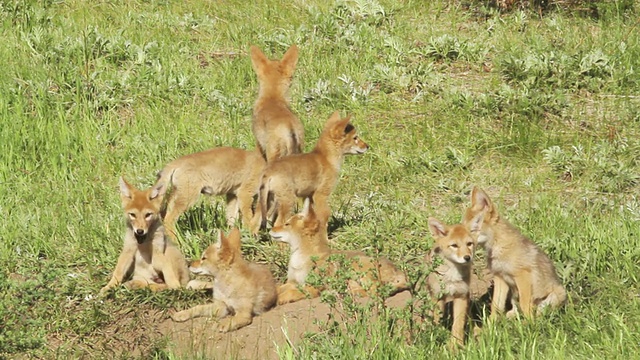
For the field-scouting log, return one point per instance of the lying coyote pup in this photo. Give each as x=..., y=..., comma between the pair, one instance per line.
x=516, y=263
x=148, y=255
x=307, y=236
x=277, y=129
x=450, y=281
x=312, y=175
x=227, y=171
x=241, y=289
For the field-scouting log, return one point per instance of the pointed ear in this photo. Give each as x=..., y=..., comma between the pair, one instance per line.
x=437, y=228
x=306, y=207
x=342, y=126
x=289, y=60
x=476, y=223
x=125, y=188
x=309, y=212
x=258, y=59
x=158, y=190
x=334, y=118
x=480, y=200
x=226, y=250
x=234, y=239
x=220, y=239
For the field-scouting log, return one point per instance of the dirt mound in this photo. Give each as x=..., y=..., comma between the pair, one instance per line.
x=260, y=340
x=142, y=330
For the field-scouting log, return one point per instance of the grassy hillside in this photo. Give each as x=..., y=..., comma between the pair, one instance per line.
x=541, y=110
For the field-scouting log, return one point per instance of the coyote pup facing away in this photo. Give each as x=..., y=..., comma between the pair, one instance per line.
x=518, y=265
x=450, y=281
x=241, y=289
x=148, y=255
x=277, y=129
x=311, y=175
x=228, y=171
x=307, y=236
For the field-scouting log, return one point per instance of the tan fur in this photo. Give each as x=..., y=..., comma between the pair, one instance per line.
x=234, y=173
x=277, y=129
x=307, y=237
x=450, y=281
x=517, y=264
x=311, y=175
x=241, y=290
x=148, y=256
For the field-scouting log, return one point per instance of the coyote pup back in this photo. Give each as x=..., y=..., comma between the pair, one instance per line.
x=277, y=129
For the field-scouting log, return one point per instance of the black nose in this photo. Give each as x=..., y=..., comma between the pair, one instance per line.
x=467, y=258
x=139, y=231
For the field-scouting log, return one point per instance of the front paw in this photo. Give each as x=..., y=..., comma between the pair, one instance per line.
x=180, y=316
x=199, y=285
x=225, y=325
x=104, y=290
x=289, y=296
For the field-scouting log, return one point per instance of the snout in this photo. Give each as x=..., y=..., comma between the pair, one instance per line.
x=140, y=234
x=275, y=235
x=362, y=149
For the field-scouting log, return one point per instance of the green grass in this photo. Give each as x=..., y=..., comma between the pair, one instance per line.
x=541, y=111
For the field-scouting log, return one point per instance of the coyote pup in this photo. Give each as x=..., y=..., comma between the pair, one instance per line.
x=241, y=289
x=307, y=236
x=148, y=255
x=311, y=175
x=277, y=129
x=228, y=171
x=450, y=281
x=517, y=264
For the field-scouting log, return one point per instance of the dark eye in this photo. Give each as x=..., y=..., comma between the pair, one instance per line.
x=455, y=246
x=132, y=215
x=469, y=244
x=148, y=215
x=287, y=224
x=204, y=258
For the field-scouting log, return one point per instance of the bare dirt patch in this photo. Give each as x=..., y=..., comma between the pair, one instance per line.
x=143, y=330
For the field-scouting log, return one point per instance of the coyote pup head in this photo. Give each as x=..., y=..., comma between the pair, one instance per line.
x=275, y=74
x=300, y=229
x=218, y=256
x=341, y=134
x=454, y=243
x=481, y=204
x=141, y=207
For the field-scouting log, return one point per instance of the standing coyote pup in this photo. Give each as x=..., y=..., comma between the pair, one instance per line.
x=450, y=281
x=148, y=255
x=227, y=171
x=277, y=129
x=307, y=236
x=241, y=289
x=517, y=264
x=311, y=175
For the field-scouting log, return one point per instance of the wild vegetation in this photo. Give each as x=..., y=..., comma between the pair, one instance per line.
x=538, y=106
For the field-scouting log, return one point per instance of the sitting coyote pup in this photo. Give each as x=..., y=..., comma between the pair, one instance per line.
x=227, y=171
x=148, y=255
x=450, y=281
x=307, y=236
x=241, y=289
x=277, y=129
x=517, y=263
x=312, y=175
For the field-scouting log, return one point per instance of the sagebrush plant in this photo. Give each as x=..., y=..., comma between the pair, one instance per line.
x=538, y=107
